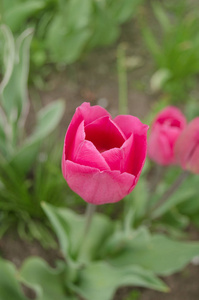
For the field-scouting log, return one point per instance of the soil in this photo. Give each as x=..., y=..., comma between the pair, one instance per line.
x=94, y=79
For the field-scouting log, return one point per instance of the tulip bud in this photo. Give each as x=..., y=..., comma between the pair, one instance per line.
x=165, y=131
x=103, y=157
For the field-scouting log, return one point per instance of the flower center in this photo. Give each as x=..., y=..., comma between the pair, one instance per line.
x=104, y=134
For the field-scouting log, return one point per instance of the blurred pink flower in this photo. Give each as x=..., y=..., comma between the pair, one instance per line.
x=103, y=158
x=165, y=131
x=187, y=147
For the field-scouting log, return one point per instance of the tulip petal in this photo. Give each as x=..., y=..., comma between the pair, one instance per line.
x=161, y=143
x=121, y=158
x=98, y=187
x=129, y=163
x=193, y=164
x=113, y=158
x=171, y=115
x=91, y=113
x=159, y=148
x=187, y=147
x=104, y=134
x=73, y=139
x=88, y=155
x=130, y=124
x=85, y=113
x=165, y=131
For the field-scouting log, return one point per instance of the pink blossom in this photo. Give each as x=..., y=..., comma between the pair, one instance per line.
x=103, y=158
x=187, y=147
x=165, y=131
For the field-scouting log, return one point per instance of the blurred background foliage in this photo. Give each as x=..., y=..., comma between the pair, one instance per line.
x=174, y=45
x=62, y=25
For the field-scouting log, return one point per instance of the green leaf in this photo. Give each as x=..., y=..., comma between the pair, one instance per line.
x=13, y=90
x=77, y=14
x=22, y=160
x=9, y=285
x=121, y=11
x=160, y=254
x=137, y=200
x=161, y=16
x=100, y=280
x=59, y=221
x=17, y=14
x=48, y=283
x=14, y=187
x=65, y=45
x=3, y=141
x=183, y=194
x=47, y=120
x=119, y=241
x=151, y=41
x=8, y=56
x=70, y=228
x=100, y=22
x=190, y=207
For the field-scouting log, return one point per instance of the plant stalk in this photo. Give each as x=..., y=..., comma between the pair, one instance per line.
x=90, y=209
x=122, y=80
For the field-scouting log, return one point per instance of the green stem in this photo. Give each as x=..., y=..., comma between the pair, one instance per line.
x=128, y=221
x=122, y=79
x=88, y=220
x=89, y=216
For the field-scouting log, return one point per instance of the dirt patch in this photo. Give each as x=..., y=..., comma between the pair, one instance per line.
x=16, y=250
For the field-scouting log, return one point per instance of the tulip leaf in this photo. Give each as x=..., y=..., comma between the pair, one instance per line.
x=18, y=13
x=174, y=200
x=119, y=240
x=48, y=283
x=23, y=159
x=100, y=23
x=78, y=14
x=13, y=90
x=70, y=228
x=136, y=202
x=69, y=29
x=100, y=280
x=9, y=285
x=61, y=40
x=47, y=120
x=122, y=10
x=186, y=192
x=161, y=16
x=160, y=254
x=3, y=145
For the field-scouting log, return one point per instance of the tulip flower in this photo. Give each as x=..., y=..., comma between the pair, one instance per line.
x=165, y=131
x=103, y=157
x=187, y=147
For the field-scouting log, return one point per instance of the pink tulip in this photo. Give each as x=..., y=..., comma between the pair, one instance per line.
x=103, y=158
x=165, y=131
x=187, y=147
